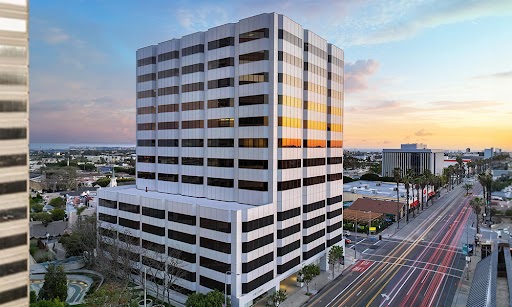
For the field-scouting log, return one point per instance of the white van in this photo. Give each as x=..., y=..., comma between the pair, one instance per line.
x=346, y=233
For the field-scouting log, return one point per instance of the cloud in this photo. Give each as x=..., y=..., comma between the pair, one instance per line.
x=357, y=74
x=387, y=21
x=55, y=36
x=499, y=75
x=422, y=132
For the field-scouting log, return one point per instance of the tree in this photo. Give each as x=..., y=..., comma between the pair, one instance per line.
x=370, y=177
x=50, y=303
x=335, y=255
x=307, y=274
x=476, y=204
x=397, y=176
x=276, y=298
x=43, y=217
x=417, y=187
x=82, y=239
x=485, y=179
x=468, y=186
x=407, y=184
x=55, y=284
x=33, y=296
x=213, y=298
x=57, y=202
x=112, y=295
x=58, y=214
x=423, y=183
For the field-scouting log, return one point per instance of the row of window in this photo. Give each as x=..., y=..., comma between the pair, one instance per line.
x=322, y=72
x=288, y=214
x=314, y=251
x=13, y=133
x=219, y=246
x=314, y=236
x=335, y=226
x=257, y=263
x=312, y=87
x=243, y=143
x=13, y=241
x=14, y=214
x=288, y=265
x=308, y=47
x=314, y=221
x=335, y=213
x=173, y=72
x=19, y=186
x=335, y=77
x=258, y=223
x=281, y=251
x=335, y=94
x=253, y=35
x=253, y=78
x=253, y=57
x=220, y=63
x=313, y=206
x=334, y=240
x=257, y=243
x=146, y=77
x=290, y=59
x=334, y=177
x=290, y=80
x=289, y=101
x=181, y=236
x=13, y=160
x=192, y=50
x=214, y=265
x=223, y=42
x=13, y=106
x=242, y=163
x=287, y=36
x=334, y=60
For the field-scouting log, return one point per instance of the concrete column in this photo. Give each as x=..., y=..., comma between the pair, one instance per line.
x=324, y=266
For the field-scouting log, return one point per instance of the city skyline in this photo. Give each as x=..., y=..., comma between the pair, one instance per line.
x=414, y=72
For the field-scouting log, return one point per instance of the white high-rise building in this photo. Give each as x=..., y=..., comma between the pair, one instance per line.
x=416, y=157
x=14, y=230
x=239, y=155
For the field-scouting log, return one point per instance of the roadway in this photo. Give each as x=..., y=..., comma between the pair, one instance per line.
x=420, y=265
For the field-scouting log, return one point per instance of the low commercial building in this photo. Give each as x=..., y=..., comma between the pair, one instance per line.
x=416, y=157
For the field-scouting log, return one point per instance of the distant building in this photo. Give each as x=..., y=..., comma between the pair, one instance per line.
x=488, y=153
x=416, y=157
x=239, y=156
x=468, y=150
x=14, y=132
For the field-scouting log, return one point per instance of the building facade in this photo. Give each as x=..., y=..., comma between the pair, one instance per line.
x=239, y=155
x=14, y=247
x=416, y=157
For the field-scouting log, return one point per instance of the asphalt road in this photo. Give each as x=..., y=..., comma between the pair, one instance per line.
x=420, y=265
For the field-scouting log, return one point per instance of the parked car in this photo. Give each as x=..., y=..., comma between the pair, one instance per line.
x=348, y=241
x=346, y=233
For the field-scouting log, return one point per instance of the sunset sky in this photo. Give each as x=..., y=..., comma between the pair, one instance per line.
x=437, y=72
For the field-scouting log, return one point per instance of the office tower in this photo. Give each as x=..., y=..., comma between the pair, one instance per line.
x=416, y=157
x=14, y=153
x=239, y=155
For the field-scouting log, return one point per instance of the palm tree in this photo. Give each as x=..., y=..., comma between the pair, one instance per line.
x=417, y=187
x=460, y=164
x=407, y=183
x=423, y=183
x=397, y=174
x=485, y=179
x=476, y=204
x=468, y=186
x=429, y=180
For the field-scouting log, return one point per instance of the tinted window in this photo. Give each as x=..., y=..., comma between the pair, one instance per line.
x=13, y=133
x=253, y=185
x=192, y=50
x=191, y=179
x=13, y=187
x=252, y=100
x=253, y=35
x=225, y=62
x=13, y=106
x=223, y=42
x=13, y=160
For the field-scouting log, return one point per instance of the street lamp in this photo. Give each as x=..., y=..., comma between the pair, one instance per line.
x=226, y=287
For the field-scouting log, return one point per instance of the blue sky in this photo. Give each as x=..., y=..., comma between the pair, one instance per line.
x=438, y=72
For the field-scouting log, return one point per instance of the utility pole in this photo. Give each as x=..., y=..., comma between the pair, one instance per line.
x=355, y=245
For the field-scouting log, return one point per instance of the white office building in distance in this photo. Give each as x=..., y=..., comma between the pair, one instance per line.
x=416, y=157
x=14, y=230
x=239, y=155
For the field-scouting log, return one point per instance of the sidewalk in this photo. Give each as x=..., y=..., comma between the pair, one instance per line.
x=460, y=298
